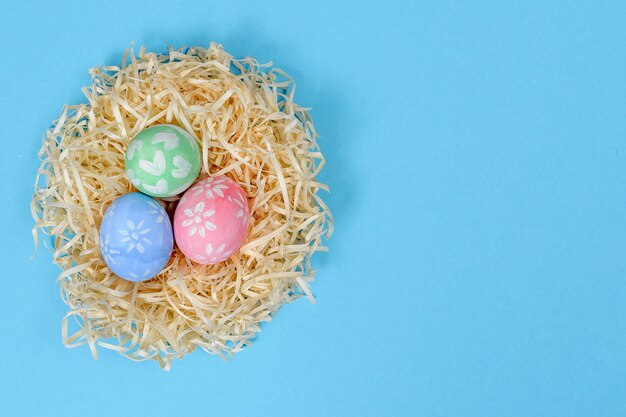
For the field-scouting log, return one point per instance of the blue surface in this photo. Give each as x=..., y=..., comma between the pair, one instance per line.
x=478, y=171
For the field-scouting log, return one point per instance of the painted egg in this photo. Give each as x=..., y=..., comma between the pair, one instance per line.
x=211, y=220
x=163, y=160
x=136, y=238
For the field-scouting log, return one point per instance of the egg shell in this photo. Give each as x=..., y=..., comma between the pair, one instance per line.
x=136, y=238
x=211, y=220
x=163, y=160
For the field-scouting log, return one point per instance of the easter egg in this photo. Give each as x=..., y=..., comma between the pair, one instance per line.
x=162, y=160
x=211, y=220
x=136, y=238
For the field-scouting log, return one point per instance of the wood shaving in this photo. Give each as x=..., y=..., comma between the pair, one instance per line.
x=248, y=127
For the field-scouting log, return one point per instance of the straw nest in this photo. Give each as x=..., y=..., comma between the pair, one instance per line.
x=249, y=128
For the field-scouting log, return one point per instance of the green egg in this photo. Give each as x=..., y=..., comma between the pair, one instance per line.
x=163, y=160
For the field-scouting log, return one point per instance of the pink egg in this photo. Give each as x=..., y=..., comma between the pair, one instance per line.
x=211, y=220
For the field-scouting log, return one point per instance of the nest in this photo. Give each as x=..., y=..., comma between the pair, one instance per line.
x=248, y=128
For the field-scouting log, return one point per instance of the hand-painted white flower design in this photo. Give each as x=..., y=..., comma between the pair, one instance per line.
x=135, y=236
x=212, y=255
x=211, y=187
x=197, y=220
x=111, y=210
x=240, y=213
x=107, y=253
x=156, y=209
x=145, y=274
x=209, y=249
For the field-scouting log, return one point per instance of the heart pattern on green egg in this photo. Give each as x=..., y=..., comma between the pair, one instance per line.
x=163, y=160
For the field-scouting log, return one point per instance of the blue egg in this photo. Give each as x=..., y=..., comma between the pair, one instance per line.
x=136, y=238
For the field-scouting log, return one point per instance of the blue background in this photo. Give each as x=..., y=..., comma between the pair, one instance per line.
x=478, y=171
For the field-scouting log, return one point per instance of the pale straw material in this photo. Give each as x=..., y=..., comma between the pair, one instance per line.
x=248, y=128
